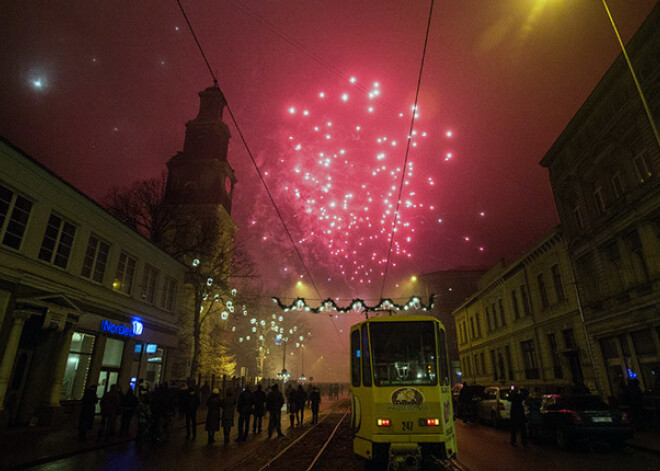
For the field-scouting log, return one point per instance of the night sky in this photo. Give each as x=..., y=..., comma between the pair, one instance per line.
x=100, y=92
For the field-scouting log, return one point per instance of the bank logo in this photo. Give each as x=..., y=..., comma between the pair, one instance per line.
x=137, y=328
x=407, y=396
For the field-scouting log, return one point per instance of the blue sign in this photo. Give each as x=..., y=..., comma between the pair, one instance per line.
x=121, y=329
x=151, y=348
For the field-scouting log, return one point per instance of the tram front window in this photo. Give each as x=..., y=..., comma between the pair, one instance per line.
x=403, y=353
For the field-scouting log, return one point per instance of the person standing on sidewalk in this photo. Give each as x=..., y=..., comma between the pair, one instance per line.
x=517, y=417
x=87, y=411
x=259, y=409
x=213, y=405
x=110, y=409
x=315, y=399
x=245, y=410
x=292, y=405
x=228, y=412
x=301, y=397
x=274, y=403
x=128, y=405
x=190, y=403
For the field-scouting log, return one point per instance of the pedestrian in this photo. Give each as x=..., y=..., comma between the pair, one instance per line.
x=245, y=410
x=228, y=412
x=110, y=409
x=315, y=399
x=128, y=405
x=301, y=397
x=517, y=420
x=274, y=403
x=213, y=405
x=190, y=404
x=534, y=402
x=144, y=422
x=87, y=411
x=292, y=405
x=465, y=403
x=204, y=394
x=259, y=409
x=634, y=397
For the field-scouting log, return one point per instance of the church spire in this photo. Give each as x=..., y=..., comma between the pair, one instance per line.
x=200, y=174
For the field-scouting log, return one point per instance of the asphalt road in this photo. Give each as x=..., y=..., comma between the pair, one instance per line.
x=481, y=447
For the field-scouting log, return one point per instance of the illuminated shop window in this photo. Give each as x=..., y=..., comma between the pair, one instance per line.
x=77, y=366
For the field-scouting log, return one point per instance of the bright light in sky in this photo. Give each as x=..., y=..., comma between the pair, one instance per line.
x=37, y=83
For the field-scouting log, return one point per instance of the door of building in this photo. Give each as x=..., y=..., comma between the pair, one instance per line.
x=107, y=378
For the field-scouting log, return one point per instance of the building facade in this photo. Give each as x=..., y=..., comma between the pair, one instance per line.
x=523, y=326
x=450, y=288
x=604, y=175
x=84, y=300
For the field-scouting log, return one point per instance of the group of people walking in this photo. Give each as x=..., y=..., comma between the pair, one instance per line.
x=155, y=410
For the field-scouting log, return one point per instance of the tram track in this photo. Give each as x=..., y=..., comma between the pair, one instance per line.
x=306, y=451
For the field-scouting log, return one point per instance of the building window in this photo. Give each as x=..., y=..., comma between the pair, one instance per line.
x=642, y=168
x=472, y=331
x=643, y=342
x=640, y=269
x=483, y=363
x=464, y=332
x=477, y=367
x=516, y=308
x=478, y=325
x=617, y=185
x=77, y=366
x=524, y=298
x=569, y=339
x=125, y=272
x=96, y=259
x=542, y=291
x=608, y=347
x=14, y=215
x=155, y=359
x=494, y=309
x=493, y=364
x=559, y=284
x=148, y=288
x=529, y=359
x=579, y=220
x=169, y=290
x=507, y=354
x=58, y=241
x=556, y=366
x=502, y=315
x=599, y=200
x=488, y=324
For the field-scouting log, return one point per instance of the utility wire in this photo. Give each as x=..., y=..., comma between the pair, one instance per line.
x=405, y=162
x=256, y=167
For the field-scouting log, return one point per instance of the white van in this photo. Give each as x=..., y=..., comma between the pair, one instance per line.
x=495, y=406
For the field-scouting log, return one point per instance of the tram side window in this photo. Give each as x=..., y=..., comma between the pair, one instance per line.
x=355, y=357
x=442, y=357
x=366, y=357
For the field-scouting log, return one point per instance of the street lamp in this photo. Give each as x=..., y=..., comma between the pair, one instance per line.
x=634, y=76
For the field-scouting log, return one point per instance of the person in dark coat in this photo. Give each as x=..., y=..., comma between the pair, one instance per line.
x=259, y=408
x=292, y=405
x=228, y=412
x=190, y=403
x=110, y=409
x=315, y=399
x=517, y=417
x=245, y=410
x=87, y=411
x=301, y=398
x=274, y=403
x=634, y=397
x=213, y=405
x=534, y=402
x=128, y=405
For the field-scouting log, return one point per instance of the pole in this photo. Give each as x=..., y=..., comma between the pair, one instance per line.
x=634, y=76
x=283, y=356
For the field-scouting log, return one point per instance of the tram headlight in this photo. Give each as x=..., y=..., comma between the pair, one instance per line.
x=383, y=422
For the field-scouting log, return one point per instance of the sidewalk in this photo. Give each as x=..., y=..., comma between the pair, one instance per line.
x=645, y=441
x=31, y=446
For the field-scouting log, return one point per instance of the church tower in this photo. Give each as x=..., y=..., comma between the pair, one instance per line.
x=200, y=175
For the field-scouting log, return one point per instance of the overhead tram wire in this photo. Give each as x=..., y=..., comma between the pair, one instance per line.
x=254, y=163
x=409, y=139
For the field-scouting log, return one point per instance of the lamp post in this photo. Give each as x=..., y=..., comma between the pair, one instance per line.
x=634, y=76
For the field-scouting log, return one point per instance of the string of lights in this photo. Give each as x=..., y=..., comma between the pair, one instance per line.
x=357, y=305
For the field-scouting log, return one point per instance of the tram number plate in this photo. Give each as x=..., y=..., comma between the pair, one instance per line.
x=406, y=426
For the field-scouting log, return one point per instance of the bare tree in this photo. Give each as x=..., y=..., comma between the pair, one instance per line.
x=199, y=239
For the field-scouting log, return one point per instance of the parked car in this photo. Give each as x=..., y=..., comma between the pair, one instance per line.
x=495, y=406
x=572, y=419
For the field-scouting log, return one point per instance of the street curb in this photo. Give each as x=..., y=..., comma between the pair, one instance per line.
x=654, y=451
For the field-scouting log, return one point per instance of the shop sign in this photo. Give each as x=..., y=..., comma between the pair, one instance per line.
x=124, y=330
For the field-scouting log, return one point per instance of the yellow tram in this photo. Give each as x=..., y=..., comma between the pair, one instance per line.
x=401, y=408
